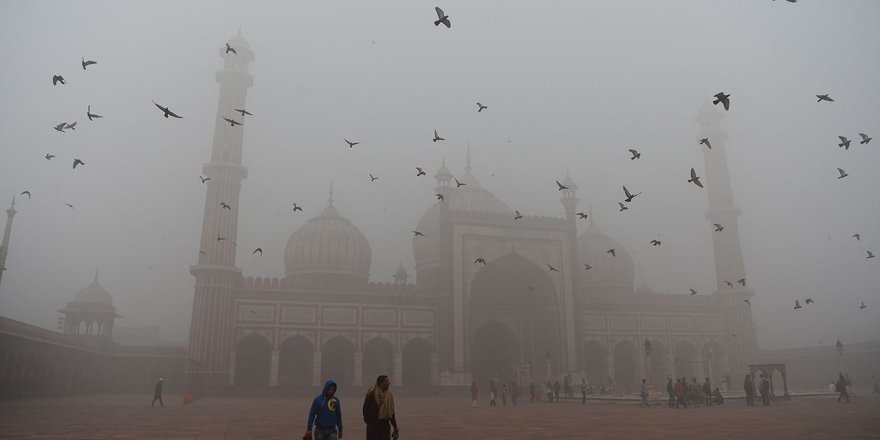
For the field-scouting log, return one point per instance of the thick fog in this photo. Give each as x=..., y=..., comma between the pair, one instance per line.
x=570, y=87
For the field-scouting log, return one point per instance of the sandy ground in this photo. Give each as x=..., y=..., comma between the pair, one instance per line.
x=428, y=418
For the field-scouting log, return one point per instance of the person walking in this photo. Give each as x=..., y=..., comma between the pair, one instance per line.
x=556, y=389
x=325, y=415
x=475, y=393
x=643, y=393
x=157, y=394
x=670, y=389
x=749, y=388
x=707, y=391
x=584, y=391
x=514, y=392
x=765, y=391
x=504, y=391
x=841, y=388
x=378, y=411
x=680, y=393
x=532, y=392
x=493, y=392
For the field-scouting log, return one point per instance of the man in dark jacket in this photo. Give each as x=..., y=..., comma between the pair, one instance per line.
x=765, y=391
x=670, y=389
x=749, y=388
x=707, y=391
x=325, y=415
x=841, y=388
x=157, y=394
x=379, y=411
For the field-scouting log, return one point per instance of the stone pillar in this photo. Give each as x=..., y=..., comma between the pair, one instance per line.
x=397, y=368
x=273, y=369
x=701, y=367
x=611, y=367
x=316, y=369
x=435, y=369
x=232, y=368
x=358, y=368
x=671, y=361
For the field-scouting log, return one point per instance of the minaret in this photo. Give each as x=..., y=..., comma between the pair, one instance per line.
x=211, y=338
x=729, y=265
x=4, y=249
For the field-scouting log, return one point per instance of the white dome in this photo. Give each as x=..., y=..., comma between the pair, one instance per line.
x=609, y=273
x=93, y=294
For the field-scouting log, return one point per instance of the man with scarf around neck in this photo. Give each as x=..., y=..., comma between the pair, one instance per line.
x=379, y=411
x=325, y=415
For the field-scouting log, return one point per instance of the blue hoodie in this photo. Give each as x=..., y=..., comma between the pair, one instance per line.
x=325, y=413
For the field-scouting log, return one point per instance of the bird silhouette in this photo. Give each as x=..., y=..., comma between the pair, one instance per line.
x=635, y=154
x=552, y=269
x=70, y=126
x=824, y=97
x=865, y=139
x=459, y=184
x=230, y=49
x=418, y=234
x=857, y=237
x=350, y=143
x=695, y=179
x=437, y=138
x=91, y=115
x=87, y=63
x=224, y=205
x=232, y=122
x=296, y=207
x=844, y=142
x=373, y=178
x=797, y=304
x=622, y=206
x=693, y=292
x=439, y=196
x=517, y=216
x=442, y=18
x=77, y=162
x=70, y=206
x=204, y=179
x=842, y=173
x=167, y=112
x=629, y=197
x=49, y=156
x=561, y=186
x=747, y=302
x=742, y=281
x=729, y=284
x=58, y=79
x=481, y=107
x=862, y=306
x=705, y=141
x=480, y=261
x=809, y=301
x=587, y=267
x=60, y=127
x=870, y=254
x=219, y=238
x=243, y=112
x=582, y=215
x=723, y=98
x=419, y=172
x=718, y=227
x=612, y=252
x=260, y=250
x=656, y=242
x=28, y=193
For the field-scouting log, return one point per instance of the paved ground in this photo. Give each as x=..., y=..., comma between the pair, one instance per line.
x=427, y=418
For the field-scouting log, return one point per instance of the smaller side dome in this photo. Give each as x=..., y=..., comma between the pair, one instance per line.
x=93, y=294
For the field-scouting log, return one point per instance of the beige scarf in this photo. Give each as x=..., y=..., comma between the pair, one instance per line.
x=385, y=401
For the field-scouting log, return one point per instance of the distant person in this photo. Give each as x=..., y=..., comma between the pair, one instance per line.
x=707, y=391
x=379, y=411
x=514, y=392
x=749, y=388
x=681, y=393
x=670, y=389
x=325, y=415
x=849, y=386
x=717, y=398
x=643, y=393
x=157, y=394
x=765, y=391
x=504, y=391
x=832, y=387
x=532, y=392
x=475, y=393
x=493, y=392
x=841, y=388
x=556, y=389
x=584, y=391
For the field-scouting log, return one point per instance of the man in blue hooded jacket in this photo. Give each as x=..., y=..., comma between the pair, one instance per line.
x=325, y=415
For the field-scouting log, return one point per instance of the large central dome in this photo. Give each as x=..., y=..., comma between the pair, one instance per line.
x=328, y=246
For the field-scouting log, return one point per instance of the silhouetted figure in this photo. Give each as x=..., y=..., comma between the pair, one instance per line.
x=717, y=398
x=681, y=393
x=584, y=391
x=532, y=392
x=475, y=393
x=157, y=393
x=514, y=392
x=670, y=389
x=643, y=393
x=493, y=393
x=325, y=415
x=557, y=387
x=841, y=388
x=707, y=390
x=749, y=388
x=504, y=391
x=765, y=391
x=379, y=411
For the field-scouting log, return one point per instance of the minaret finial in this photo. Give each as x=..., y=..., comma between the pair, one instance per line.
x=467, y=163
x=330, y=201
x=239, y=28
x=13, y=203
x=96, y=274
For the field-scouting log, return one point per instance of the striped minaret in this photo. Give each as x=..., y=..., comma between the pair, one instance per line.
x=210, y=338
x=4, y=249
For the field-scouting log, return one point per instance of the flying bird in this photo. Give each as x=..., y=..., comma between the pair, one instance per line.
x=517, y=216
x=28, y=193
x=91, y=115
x=57, y=79
x=350, y=144
x=87, y=63
x=857, y=237
x=442, y=18
x=49, y=156
x=635, y=154
x=747, y=302
x=260, y=250
x=809, y=301
x=224, y=205
x=718, y=227
x=437, y=138
x=60, y=127
x=729, y=284
x=458, y=184
x=243, y=112
x=70, y=206
x=797, y=304
x=742, y=281
x=219, y=238
x=844, y=142
x=552, y=269
x=693, y=292
x=842, y=173
x=870, y=254
x=204, y=179
x=705, y=141
x=373, y=178
x=723, y=98
x=70, y=126
x=296, y=207
x=865, y=139
x=695, y=179
x=420, y=172
x=587, y=267
x=480, y=261
x=561, y=186
x=230, y=49
x=77, y=162
x=232, y=122
x=622, y=206
x=656, y=242
x=824, y=97
x=481, y=107
x=582, y=215
x=629, y=197
x=167, y=112
x=862, y=306
x=418, y=234
x=612, y=252
x=439, y=196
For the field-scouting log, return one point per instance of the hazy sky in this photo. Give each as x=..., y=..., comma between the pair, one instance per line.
x=570, y=87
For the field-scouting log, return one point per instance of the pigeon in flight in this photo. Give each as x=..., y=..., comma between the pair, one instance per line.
x=28, y=193
x=842, y=173
x=459, y=184
x=442, y=18
x=862, y=306
x=582, y=215
x=260, y=250
x=723, y=98
x=824, y=97
x=49, y=156
x=695, y=179
x=587, y=267
x=865, y=139
x=693, y=292
x=747, y=302
x=729, y=284
x=656, y=242
x=480, y=261
x=232, y=122
x=77, y=162
x=204, y=179
x=858, y=237
x=167, y=112
x=612, y=252
x=373, y=178
x=57, y=79
x=224, y=205
x=60, y=127
x=70, y=126
x=844, y=142
x=742, y=281
x=350, y=144
x=629, y=197
x=87, y=63
x=296, y=207
x=437, y=138
x=70, y=206
x=243, y=112
x=439, y=196
x=517, y=216
x=622, y=206
x=705, y=141
x=230, y=49
x=552, y=269
x=870, y=254
x=718, y=227
x=418, y=234
x=219, y=238
x=91, y=115
x=797, y=304
x=420, y=172
x=809, y=301
x=561, y=186
x=481, y=107
x=635, y=154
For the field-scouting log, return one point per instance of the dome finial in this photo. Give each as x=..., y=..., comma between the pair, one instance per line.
x=330, y=200
x=96, y=274
x=467, y=160
x=239, y=28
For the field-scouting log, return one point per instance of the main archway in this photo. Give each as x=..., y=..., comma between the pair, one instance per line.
x=378, y=359
x=337, y=361
x=295, y=362
x=417, y=363
x=685, y=360
x=252, y=358
x=494, y=354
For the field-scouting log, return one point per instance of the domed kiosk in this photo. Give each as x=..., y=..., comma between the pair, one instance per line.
x=91, y=312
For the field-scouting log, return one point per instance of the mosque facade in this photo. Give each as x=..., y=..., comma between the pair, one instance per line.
x=459, y=321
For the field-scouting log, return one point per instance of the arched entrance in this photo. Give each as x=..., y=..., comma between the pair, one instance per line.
x=417, y=363
x=252, y=359
x=337, y=361
x=596, y=363
x=514, y=291
x=658, y=364
x=685, y=360
x=295, y=361
x=712, y=365
x=378, y=359
x=625, y=357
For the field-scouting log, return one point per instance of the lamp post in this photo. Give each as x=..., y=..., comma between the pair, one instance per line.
x=648, y=362
x=839, y=346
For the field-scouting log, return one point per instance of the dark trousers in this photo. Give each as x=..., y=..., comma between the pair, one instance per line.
x=671, y=401
x=155, y=398
x=750, y=399
x=843, y=395
x=708, y=398
x=765, y=399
